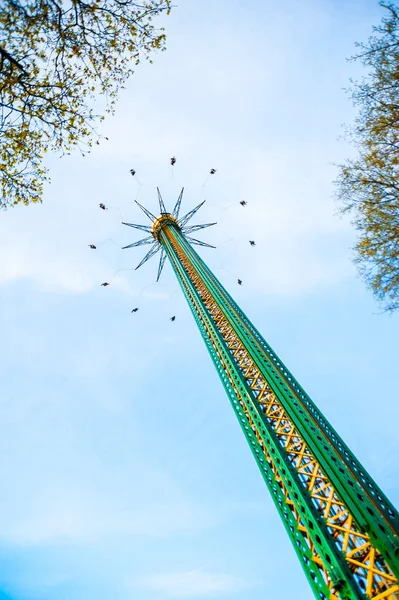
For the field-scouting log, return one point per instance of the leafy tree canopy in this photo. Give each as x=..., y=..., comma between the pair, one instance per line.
x=368, y=186
x=55, y=58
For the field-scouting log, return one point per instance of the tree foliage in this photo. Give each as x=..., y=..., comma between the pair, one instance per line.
x=368, y=186
x=56, y=58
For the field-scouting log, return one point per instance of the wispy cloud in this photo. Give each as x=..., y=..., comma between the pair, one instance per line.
x=71, y=511
x=286, y=180
x=192, y=584
x=48, y=246
x=37, y=248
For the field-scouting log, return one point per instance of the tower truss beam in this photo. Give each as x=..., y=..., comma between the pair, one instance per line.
x=372, y=508
x=343, y=528
x=342, y=560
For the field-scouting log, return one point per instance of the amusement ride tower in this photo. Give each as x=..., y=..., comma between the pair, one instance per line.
x=343, y=528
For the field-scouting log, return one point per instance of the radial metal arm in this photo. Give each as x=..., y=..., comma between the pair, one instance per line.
x=198, y=242
x=190, y=214
x=146, y=228
x=176, y=209
x=192, y=228
x=143, y=242
x=161, y=203
x=161, y=263
x=156, y=248
x=145, y=211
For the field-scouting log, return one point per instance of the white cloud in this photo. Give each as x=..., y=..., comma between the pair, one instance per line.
x=73, y=512
x=36, y=250
x=50, y=272
x=48, y=246
x=192, y=584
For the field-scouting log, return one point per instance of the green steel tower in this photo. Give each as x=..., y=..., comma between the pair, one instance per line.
x=343, y=528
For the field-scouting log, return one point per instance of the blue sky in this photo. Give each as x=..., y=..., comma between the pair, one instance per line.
x=124, y=472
